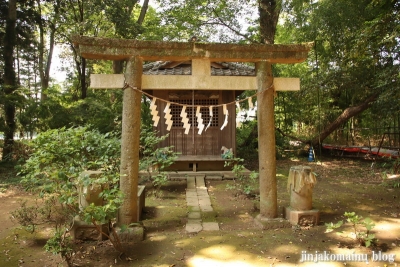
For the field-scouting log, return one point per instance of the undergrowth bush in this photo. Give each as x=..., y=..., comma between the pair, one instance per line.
x=361, y=228
x=244, y=184
x=54, y=169
x=247, y=140
x=154, y=160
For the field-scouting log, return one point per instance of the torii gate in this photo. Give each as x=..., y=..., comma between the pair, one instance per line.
x=201, y=54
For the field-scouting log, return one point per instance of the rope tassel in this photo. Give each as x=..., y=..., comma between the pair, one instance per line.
x=251, y=112
x=168, y=116
x=200, y=124
x=238, y=122
x=154, y=112
x=185, y=120
x=226, y=117
x=211, y=117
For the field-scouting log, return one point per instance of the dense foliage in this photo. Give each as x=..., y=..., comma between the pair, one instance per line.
x=350, y=86
x=354, y=62
x=54, y=171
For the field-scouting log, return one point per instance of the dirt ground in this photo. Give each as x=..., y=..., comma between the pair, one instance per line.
x=342, y=186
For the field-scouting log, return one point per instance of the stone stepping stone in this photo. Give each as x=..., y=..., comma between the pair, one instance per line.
x=198, y=201
x=194, y=215
x=200, y=182
x=193, y=228
x=191, y=182
x=193, y=208
x=210, y=226
x=204, y=202
x=192, y=202
x=206, y=208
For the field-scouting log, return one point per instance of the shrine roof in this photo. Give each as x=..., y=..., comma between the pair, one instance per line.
x=185, y=68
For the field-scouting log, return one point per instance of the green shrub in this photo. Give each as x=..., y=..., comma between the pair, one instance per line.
x=247, y=140
x=54, y=169
x=361, y=228
x=244, y=184
x=154, y=159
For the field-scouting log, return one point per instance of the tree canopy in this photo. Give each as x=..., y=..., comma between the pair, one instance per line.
x=350, y=81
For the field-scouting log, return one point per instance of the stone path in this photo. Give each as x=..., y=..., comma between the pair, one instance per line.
x=199, y=206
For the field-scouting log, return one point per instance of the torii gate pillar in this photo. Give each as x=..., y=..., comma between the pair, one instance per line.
x=128, y=212
x=266, y=141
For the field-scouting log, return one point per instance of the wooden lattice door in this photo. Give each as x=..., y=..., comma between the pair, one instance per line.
x=193, y=143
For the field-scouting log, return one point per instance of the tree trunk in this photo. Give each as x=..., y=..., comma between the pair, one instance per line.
x=344, y=117
x=45, y=63
x=9, y=80
x=118, y=65
x=84, y=84
x=143, y=12
x=269, y=14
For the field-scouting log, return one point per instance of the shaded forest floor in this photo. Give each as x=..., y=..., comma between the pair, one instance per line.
x=342, y=186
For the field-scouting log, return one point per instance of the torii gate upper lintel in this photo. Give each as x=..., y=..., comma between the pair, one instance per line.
x=137, y=51
x=123, y=49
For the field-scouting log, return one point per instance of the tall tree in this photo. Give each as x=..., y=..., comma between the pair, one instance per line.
x=121, y=14
x=212, y=21
x=47, y=25
x=269, y=11
x=10, y=83
x=355, y=61
x=100, y=18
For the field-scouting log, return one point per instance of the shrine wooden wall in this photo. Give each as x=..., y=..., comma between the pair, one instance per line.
x=210, y=141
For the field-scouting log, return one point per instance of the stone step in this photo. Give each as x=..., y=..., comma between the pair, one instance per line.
x=191, y=182
x=198, y=201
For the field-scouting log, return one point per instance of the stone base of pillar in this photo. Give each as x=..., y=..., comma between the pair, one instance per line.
x=88, y=232
x=271, y=223
x=132, y=234
x=301, y=217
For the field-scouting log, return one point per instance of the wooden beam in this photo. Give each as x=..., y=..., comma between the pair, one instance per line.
x=122, y=49
x=188, y=82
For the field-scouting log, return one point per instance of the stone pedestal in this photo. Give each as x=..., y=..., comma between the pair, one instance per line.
x=301, y=217
x=300, y=186
x=135, y=231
